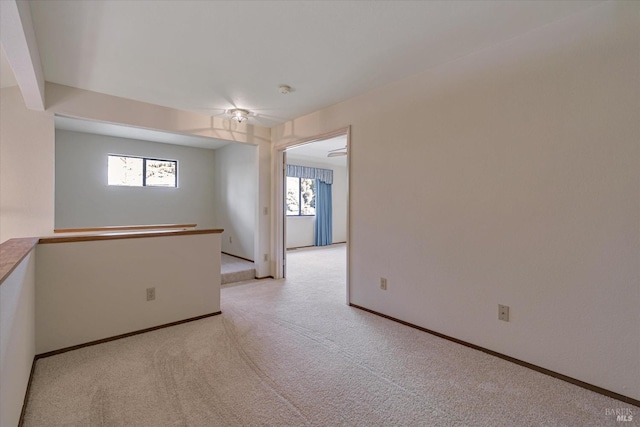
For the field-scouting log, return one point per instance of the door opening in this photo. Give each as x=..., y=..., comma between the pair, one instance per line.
x=313, y=190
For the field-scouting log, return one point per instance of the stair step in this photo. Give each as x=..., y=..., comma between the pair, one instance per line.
x=237, y=276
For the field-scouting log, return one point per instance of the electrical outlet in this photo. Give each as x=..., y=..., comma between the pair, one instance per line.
x=503, y=312
x=265, y=258
x=265, y=210
x=383, y=283
x=230, y=239
x=151, y=294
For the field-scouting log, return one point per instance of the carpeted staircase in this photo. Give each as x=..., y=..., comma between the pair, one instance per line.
x=236, y=270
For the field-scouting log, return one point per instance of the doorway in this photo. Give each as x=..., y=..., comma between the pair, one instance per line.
x=313, y=199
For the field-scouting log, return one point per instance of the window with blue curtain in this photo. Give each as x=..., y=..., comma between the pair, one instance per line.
x=323, y=225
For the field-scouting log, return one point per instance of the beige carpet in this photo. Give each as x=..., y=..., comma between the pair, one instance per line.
x=234, y=269
x=291, y=353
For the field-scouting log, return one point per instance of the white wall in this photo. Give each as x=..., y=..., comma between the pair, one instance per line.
x=83, y=198
x=74, y=102
x=26, y=168
x=27, y=151
x=236, y=192
x=300, y=230
x=17, y=338
x=509, y=176
x=263, y=241
x=86, y=291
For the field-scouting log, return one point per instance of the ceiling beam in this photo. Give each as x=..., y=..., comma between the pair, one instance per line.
x=19, y=41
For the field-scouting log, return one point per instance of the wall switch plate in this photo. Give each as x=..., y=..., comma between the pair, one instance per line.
x=503, y=312
x=265, y=210
x=230, y=239
x=151, y=294
x=383, y=283
x=266, y=257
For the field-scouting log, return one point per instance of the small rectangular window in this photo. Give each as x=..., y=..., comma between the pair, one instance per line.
x=141, y=171
x=301, y=196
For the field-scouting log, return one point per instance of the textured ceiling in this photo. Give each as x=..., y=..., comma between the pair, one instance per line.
x=210, y=56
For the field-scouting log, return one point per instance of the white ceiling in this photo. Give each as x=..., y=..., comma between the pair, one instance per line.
x=210, y=56
x=317, y=151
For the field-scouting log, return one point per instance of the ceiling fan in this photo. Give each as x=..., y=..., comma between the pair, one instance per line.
x=338, y=152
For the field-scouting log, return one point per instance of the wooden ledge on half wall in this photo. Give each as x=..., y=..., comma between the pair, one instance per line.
x=12, y=252
x=109, y=228
x=130, y=234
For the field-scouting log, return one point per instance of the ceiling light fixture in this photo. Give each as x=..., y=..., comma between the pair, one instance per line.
x=239, y=115
x=284, y=89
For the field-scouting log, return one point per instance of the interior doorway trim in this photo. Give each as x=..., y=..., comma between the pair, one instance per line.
x=279, y=200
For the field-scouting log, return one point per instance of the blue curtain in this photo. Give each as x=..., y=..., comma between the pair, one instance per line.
x=324, y=175
x=324, y=219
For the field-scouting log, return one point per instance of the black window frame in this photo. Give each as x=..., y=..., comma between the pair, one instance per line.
x=144, y=171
